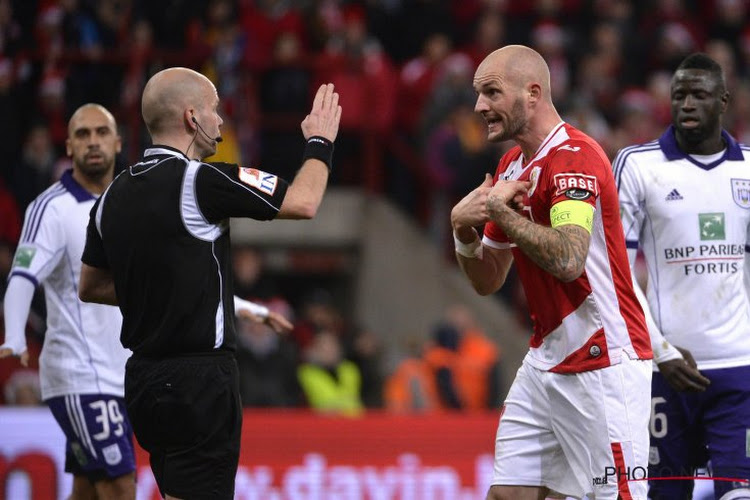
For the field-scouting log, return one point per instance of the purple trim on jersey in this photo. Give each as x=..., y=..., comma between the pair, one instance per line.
x=747, y=248
x=78, y=191
x=668, y=144
x=24, y=274
x=99, y=437
x=631, y=244
x=37, y=210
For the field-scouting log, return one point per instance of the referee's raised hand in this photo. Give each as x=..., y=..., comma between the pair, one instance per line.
x=325, y=115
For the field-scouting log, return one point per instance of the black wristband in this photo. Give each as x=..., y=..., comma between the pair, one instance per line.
x=319, y=148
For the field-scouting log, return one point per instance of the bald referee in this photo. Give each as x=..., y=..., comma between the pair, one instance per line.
x=158, y=246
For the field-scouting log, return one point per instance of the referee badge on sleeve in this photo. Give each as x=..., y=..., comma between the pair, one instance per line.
x=258, y=179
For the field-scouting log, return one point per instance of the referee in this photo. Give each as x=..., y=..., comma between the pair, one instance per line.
x=158, y=246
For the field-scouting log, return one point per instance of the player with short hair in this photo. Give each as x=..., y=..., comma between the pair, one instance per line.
x=685, y=203
x=82, y=362
x=577, y=412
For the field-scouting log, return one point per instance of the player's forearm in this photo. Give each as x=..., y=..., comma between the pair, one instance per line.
x=485, y=268
x=97, y=286
x=663, y=350
x=305, y=193
x=17, y=304
x=560, y=251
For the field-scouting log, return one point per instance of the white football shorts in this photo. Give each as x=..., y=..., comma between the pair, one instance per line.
x=583, y=435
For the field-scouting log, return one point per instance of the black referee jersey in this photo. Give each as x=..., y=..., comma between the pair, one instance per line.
x=162, y=229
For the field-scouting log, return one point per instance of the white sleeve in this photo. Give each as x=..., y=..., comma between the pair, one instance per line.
x=663, y=350
x=43, y=243
x=251, y=307
x=16, y=307
x=629, y=192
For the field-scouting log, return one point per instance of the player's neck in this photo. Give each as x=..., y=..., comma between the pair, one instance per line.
x=709, y=146
x=537, y=135
x=93, y=184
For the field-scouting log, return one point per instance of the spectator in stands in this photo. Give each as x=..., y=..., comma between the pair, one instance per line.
x=464, y=362
x=330, y=383
x=283, y=93
x=412, y=388
x=355, y=62
x=363, y=347
x=36, y=169
x=11, y=126
x=268, y=361
x=318, y=312
x=22, y=388
x=10, y=231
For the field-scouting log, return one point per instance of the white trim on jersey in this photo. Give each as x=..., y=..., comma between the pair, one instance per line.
x=78, y=421
x=195, y=223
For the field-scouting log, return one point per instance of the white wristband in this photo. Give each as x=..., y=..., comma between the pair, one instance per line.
x=665, y=352
x=471, y=250
x=252, y=307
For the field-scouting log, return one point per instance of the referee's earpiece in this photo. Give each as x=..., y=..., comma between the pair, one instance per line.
x=215, y=139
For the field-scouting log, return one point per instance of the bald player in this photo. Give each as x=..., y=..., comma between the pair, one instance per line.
x=158, y=245
x=575, y=421
x=82, y=362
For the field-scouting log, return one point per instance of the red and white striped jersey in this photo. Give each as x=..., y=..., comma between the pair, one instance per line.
x=591, y=322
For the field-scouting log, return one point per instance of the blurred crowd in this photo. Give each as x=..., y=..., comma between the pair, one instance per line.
x=403, y=69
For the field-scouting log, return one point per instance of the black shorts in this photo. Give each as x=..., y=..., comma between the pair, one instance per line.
x=186, y=413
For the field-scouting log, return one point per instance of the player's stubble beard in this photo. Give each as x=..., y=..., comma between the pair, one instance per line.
x=515, y=124
x=95, y=171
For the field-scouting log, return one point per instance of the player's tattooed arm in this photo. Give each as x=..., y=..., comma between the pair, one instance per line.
x=561, y=251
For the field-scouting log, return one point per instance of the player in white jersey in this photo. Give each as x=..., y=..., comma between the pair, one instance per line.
x=685, y=203
x=82, y=361
x=575, y=419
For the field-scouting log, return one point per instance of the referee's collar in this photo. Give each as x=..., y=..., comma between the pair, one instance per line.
x=668, y=144
x=72, y=186
x=161, y=150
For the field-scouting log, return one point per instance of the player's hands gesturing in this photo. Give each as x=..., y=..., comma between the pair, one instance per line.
x=21, y=352
x=682, y=373
x=471, y=211
x=324, y=116
x=275, y=320
x=506, y=194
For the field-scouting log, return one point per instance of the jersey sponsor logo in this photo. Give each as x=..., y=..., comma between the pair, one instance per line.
x=260, y=180
x=711, y=226
x=741, y=192
x=673, y=195
x=112, y=454
x=24, y=256
x=577, y=194
x=568, y=147
x=534, y=178
x=566, y=182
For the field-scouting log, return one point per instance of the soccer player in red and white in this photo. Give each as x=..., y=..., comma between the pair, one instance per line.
x=575, y=420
